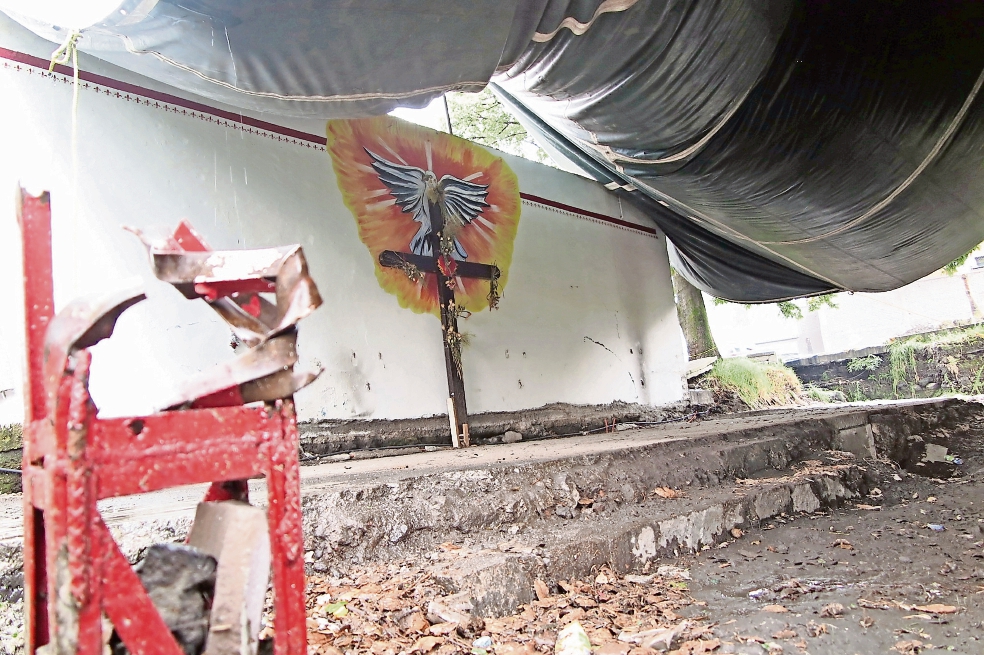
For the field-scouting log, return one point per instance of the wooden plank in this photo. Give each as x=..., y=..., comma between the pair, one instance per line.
x=392, y=259
x=449, y=322
x=453, y=420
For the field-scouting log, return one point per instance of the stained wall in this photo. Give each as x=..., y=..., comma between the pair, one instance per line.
x=587, y=315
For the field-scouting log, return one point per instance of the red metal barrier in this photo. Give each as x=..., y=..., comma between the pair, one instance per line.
x=73, y=569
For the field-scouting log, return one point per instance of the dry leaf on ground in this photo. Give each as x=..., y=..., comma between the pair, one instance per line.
x=908, y=647
x=936, y=608
x=873, y=605
x=775, y=609
x=426, y=644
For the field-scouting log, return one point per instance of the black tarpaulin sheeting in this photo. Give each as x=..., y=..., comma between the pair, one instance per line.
x=786, y=148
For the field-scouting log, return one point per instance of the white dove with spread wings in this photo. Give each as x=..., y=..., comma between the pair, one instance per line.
x=416, y=190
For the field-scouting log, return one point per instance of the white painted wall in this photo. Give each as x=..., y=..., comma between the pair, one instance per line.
x=859, y=320
x=573, y=282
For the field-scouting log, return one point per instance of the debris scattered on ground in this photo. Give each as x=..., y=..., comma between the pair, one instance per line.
x=399, y=608
x=666, y=492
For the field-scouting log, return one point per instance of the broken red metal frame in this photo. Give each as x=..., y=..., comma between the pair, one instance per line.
x=74, y=571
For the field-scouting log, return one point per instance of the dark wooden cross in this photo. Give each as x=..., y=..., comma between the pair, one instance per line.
x=447, y=270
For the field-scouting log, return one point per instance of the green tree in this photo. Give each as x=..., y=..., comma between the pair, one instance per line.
x=789, y=308
x=952, y=267
x=692, y=315
x=481, y=118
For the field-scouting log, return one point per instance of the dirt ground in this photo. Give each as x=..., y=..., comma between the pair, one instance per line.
x=898, y=572
x=856, y=580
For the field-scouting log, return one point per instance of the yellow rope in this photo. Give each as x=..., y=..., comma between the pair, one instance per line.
x=69, y=51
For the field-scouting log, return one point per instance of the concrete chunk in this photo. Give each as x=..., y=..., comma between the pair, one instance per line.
x=236, y=535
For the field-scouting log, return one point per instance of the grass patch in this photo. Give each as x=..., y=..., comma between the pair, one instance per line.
x=869, y=363
x=11, y=436
x=758, y=384
x=902, y=353
x=821, y=395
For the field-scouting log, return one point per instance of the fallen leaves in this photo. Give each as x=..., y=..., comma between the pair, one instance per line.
x=832, y=610
x=909, y=647
x=697, y=647
x=815, y=630
x=775, y=609
x=936, y=608
x=655, y=637
x=843, y=544
x=398, y=608
x=426, y=644
x=668, y=493
x=873, y=605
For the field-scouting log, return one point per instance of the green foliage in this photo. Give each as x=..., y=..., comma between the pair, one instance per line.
x=481, y=118
x=869, y=363
x=10, y=436
x=759, y=384
x=856, y=394
x=813, y=303
x=790, y=308
x=820, y=394
x=902, y=353
x=977, y=387
x=952, y=267
x=902, y=358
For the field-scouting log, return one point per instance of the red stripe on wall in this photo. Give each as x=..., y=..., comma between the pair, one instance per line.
x=125, y=87
x=588, y=213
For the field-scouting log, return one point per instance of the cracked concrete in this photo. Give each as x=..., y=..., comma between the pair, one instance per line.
x=565, y=506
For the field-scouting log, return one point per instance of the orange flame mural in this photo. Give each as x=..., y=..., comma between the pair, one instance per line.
x=372, y=157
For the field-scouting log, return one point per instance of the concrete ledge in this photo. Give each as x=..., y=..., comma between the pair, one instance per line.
x=496, y=583
x=330, y=437
x=588, y=499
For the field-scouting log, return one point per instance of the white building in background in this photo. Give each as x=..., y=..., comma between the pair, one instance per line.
x=587, y=315
x=860, y=320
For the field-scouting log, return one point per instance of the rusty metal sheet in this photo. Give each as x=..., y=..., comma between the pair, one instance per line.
x=231, y=283
x=82, y=324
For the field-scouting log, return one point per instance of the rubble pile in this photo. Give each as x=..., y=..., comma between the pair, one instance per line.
x=400, y=608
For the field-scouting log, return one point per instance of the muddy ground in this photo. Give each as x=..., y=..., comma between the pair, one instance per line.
x=868, y=577
x=855, y=580
x=878, y=566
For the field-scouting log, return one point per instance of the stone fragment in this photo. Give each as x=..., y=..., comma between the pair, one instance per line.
x=701, y=396
x=512, y=437
x=180, y=581
x=236, y=534
x=572, y=640
x=804, y=500
x=398, y=532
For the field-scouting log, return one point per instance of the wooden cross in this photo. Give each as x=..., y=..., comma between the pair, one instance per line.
x=447, y=270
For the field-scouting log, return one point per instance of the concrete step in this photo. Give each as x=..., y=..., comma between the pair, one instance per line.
x=496, y=581
x=531, y=492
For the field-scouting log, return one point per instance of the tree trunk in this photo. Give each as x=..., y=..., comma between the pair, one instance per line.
x=693, y=319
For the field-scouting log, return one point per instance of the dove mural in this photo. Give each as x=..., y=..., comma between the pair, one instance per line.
x=393, y=174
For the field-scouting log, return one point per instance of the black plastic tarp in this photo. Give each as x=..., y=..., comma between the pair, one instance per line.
x=786, y=148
